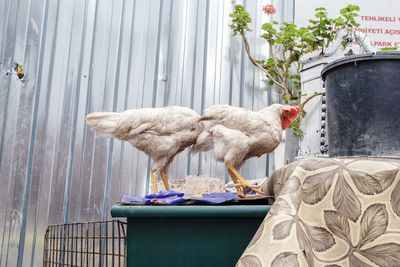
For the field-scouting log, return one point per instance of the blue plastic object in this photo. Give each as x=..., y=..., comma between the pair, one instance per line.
x=215, y=198
x=170, y=197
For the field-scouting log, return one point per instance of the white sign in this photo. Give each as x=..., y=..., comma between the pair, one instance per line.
x=379, y=20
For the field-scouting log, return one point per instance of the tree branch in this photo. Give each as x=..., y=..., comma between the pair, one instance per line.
x=310, y=97
x=254, y=62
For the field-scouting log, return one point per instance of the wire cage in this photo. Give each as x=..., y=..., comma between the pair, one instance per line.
x=86, y=244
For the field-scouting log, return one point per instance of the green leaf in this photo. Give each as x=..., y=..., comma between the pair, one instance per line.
x=240, y=20
x=287, y=43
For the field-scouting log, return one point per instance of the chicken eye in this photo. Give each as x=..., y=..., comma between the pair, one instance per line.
x=193, y=129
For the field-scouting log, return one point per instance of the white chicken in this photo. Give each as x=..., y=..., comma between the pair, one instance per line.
x=237, y=134
x=161, y=133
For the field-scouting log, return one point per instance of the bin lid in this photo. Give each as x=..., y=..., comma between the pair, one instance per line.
x=192, y=211
x=380, y=55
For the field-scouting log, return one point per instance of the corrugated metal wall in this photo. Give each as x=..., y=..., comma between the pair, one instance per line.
x=81, y=56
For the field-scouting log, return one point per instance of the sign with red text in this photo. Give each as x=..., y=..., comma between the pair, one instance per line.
x=379, y=20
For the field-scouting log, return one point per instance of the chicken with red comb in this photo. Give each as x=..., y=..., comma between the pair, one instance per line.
x=237, y=134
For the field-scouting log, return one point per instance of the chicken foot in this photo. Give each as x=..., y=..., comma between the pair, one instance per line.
x=239, y=189
x=240, y=183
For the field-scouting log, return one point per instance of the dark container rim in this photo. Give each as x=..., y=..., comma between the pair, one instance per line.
x=380, y=55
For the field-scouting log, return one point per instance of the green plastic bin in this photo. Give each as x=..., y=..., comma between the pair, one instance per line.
x=189, y=235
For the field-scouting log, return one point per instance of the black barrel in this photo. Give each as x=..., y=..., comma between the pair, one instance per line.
x=363, y=105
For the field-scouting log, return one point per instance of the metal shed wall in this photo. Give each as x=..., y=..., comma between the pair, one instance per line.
x=81, y=56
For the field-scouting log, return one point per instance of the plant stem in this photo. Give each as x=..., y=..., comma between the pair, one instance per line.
x=309, y=98
x=272, y=56
x=252, y=60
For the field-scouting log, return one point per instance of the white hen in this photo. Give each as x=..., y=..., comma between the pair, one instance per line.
x=237, y=134
x=161, y=133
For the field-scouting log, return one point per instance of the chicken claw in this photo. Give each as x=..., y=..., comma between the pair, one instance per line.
x=241, y=184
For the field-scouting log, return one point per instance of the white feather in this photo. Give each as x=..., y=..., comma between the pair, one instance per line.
x=159, y=132
x=237, y=134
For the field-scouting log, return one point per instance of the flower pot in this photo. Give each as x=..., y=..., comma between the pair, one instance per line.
x=363, y=105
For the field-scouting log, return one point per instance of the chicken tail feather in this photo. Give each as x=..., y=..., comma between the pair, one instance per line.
x=103, y=122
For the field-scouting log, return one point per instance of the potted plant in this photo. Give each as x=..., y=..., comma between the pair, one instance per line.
x=362, y=90
x=287, y=43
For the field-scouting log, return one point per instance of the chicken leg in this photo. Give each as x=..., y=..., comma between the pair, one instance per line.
x=164, y=177
x=240, y=183
x=154, y=177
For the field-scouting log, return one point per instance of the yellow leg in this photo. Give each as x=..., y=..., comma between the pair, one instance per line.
x=164, y=177
x=239, y=189
x=240, y=183
x=154, y=182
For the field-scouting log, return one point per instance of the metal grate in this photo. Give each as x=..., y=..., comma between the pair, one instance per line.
x=85, y=244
